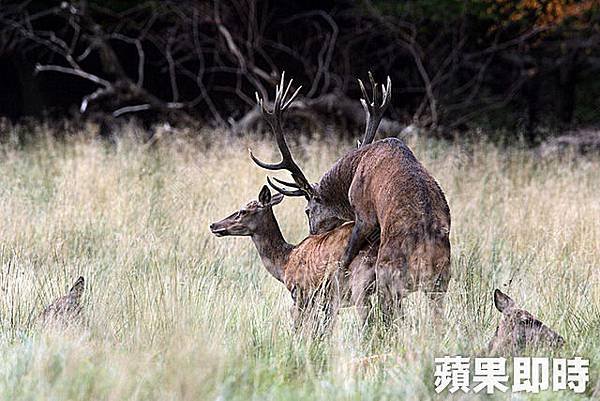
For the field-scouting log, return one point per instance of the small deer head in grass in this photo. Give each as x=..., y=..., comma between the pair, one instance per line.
x=66, y=309
x=519, y=329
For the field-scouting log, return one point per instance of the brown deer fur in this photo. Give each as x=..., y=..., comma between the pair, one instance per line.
x=305, y=269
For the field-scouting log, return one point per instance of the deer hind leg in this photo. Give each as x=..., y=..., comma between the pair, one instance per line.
x=391, y=271
x=362, y=287
x=441, y=270
x=389, y=298
x=437, y=302
x=389, y=306
x=437, y=293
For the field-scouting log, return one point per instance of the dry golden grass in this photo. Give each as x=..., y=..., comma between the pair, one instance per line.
x=173, y=313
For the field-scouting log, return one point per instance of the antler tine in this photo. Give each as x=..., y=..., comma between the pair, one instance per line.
x=387, y=91
x=287, y=183
x=274, y=119
x=374, y=108
x=292, y=98
x=374, y=86
x=266, y=166
x=260, y=103
x=287, y=89
x=286, y=192
x=364, y=91
x=278, y=92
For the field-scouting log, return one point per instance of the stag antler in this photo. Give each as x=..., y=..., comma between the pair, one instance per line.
x=274, y=119
x=374, y=109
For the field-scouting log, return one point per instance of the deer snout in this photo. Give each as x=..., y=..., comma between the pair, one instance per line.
x=217, y=230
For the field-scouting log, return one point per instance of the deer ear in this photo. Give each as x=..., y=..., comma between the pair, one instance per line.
x=264, y=197
x=276, y=199
x=502, y=301
x=78, y=287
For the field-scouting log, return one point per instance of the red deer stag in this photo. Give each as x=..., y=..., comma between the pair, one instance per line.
x=519, y=329
x=304, y=268
x=386, y=191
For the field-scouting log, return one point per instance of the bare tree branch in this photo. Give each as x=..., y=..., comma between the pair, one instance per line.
x=73, y=71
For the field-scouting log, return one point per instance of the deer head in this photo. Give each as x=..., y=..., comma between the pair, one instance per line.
x=323, y=214
x=250, y=218
x=66, y=309
x=519, y=329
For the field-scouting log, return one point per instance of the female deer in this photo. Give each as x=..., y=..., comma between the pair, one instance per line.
x=519, y=329
x=305, y=269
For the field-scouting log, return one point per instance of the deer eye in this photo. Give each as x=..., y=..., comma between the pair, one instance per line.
x=526, y=320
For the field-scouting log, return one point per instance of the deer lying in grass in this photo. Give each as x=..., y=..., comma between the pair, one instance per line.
x=304, y=268
x=65, y=309
x=383, y=188
x=519, y=329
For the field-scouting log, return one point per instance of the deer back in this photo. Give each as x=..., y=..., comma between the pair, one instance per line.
x=316, y=257
x=386, y=182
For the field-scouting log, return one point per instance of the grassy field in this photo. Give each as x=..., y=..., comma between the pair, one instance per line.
x=173, y=313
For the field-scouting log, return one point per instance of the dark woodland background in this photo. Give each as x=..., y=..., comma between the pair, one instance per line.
x=522, y=69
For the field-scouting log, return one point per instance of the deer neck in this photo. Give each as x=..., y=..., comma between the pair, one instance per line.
x=335, y=183
x=274, y=251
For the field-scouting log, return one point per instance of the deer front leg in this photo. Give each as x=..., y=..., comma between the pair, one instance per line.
x=302, y=311
x=357, y=239
x=314, y=314
x=329, y=308
x=301, y=317
x=362, y=286
x=298, y=308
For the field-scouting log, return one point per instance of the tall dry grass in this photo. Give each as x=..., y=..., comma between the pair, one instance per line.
x=173, y=313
